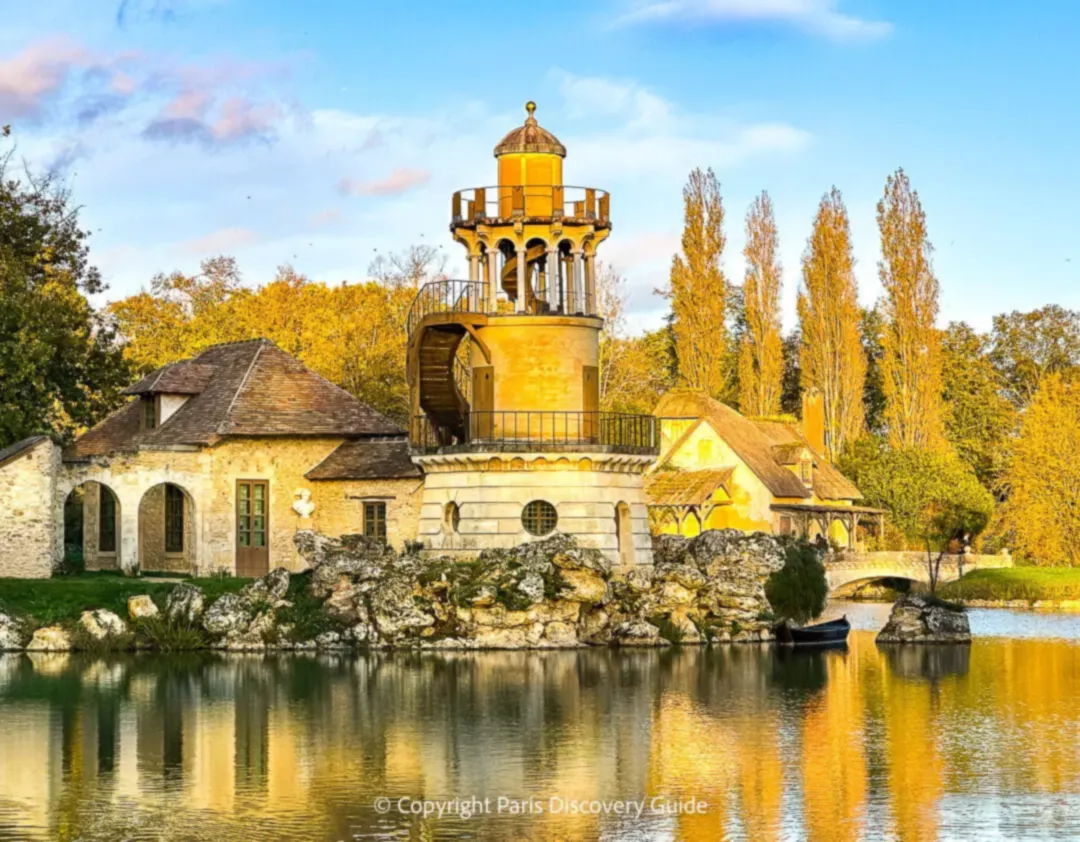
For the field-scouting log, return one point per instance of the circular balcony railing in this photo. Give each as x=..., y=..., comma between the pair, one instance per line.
x=531, y=431
x=532, y=201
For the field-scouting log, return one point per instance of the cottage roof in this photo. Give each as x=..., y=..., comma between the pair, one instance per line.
x=13, y=451
x=829, y=483
x=741, y=435
x=183, y=378
x=685, y=488
x=367, y=459
x=253, y=388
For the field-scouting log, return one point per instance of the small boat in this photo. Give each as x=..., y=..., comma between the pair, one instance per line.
x=832, y=633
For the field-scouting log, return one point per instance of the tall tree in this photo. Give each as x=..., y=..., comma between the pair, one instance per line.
x=1041, y=512
x=791, y=384
x=60, y=368
x=872, y=328
x=979, y=420
x=911, y=362
x=698, y=291
x=761, y=357
x=1026, y=347
x=831, y=356
x=410, y=268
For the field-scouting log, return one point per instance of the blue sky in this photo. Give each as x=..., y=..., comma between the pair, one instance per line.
x=323, y=133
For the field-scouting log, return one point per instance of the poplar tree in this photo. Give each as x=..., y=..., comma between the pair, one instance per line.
x=761, y=357
x=697, y=291
x=911, y=362
x=831, y=355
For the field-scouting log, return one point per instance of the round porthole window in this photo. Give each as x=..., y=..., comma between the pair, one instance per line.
x=452, y=517
x=539, y=517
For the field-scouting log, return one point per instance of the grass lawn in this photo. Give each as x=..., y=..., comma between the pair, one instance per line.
x=1028, y=583
x=49, y=601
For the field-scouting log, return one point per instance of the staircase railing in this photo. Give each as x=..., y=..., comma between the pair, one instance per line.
x=449, y=296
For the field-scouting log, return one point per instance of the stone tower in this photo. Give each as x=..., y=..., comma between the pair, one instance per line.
x=504, y=373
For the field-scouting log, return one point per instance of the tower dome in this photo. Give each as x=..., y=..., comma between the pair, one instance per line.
x=530, y=137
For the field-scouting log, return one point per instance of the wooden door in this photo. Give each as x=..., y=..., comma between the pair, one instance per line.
x=590, y=393
x=252, y=528
x=483, y=401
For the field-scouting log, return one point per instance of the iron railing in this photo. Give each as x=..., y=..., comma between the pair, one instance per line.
x=447, y=296
x=536, y=201
x=540, y=431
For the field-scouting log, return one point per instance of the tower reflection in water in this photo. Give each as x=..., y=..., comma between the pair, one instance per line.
x=864, y=743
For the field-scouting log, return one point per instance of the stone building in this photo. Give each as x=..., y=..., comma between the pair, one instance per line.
x=212, y=465
x=720, y=470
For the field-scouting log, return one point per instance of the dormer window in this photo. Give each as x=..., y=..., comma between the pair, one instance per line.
x=806, y=472
x=150, y=412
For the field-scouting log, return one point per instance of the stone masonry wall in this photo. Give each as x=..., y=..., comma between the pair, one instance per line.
x=28, y=529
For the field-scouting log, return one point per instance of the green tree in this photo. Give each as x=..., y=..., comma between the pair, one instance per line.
x=872, y=330
x=797, y=592
x=929, y=494
x=760, y=353
x=1027, y=347
x=979, y=420
x=60, y=367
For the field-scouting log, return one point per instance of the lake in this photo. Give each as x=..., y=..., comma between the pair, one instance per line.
x=733, y=742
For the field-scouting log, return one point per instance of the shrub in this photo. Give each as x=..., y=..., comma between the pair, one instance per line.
x=798, y=590
x=305, y=617
x=167, y=635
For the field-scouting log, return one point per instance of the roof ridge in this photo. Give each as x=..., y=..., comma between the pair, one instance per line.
x=239, y=389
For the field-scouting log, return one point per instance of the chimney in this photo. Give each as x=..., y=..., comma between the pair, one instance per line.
x=813, y=420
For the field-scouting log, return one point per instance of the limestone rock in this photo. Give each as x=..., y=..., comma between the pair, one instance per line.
x=356, y=556
x=345, y=603
x=228, y=614
x=362, y=634
x=596, y=627
x=140, y=607
x=532, y=586
x=395, y=611
x=185, y=604
x=11, y=634
x=101, y=624
x=268, y=590
x=583, y=585
x=672, y=593
x=919, y=619
x=253, y=637
x=519, y=637
x=485, y=596
x=561, y=634
x=50, y=639
x=685, y=627
x=637, y=633
x=331, y=640
x=684, y=574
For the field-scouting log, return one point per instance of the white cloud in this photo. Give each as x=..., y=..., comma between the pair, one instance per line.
x=819, y=17
x=401, y=180
x=222, y=241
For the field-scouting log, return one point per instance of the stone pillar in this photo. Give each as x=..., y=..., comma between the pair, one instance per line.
x=590, y=284
x=492, y=259
x=474, y=275
x=127, y=549
x=578, y=304
x=554, y=289
x=521, y=282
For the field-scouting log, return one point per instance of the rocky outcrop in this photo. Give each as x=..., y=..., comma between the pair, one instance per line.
x=140, y=607
x=12, y=634
x=50, y=639
x=924, y=619
x=185, y=604
x=101, y=625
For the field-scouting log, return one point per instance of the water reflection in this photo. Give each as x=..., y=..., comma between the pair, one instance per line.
x=862, y=743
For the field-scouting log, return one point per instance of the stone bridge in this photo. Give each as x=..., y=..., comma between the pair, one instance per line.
x=846, y=571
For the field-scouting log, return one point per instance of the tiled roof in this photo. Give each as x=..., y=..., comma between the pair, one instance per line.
x=184, y=378
x=367, y=459
x=13, y=451
x=788, y=454
x=741, y=435
x=684, y=488
x=829, y=483
x=255, y=389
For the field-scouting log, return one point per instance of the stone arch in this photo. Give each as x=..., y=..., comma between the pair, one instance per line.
x=92, y=526
x=850, y=586
x=167, y=533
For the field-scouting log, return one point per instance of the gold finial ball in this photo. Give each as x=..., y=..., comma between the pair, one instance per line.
x=530, y=106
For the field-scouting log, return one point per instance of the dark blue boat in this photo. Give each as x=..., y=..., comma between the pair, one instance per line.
x=832, y=633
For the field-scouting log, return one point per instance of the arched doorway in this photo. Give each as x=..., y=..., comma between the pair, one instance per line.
x=624, y=534
x=92, y=527
x=167, y=530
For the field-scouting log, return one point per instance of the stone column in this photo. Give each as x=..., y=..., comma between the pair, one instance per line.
x=521, y=281
x=491, y=257
x=127, y=542
x=474, y=267
x=590, y=284
x=554, y=290
x=578, y=304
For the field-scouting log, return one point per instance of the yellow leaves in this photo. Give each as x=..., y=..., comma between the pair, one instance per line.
x=761, y=360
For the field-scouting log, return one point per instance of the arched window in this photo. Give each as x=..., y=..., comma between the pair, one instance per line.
x=539, y=517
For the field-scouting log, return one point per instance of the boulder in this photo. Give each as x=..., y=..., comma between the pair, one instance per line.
x=252, y=637
x=596, y=627
x=561, y=634
x=356, y=556
x=141, y=607
x=12, y=636
x=532, y=587
x=228, y=614
x=583, y=585
x=185, y=604
x=637, y=633
x=395, y=611
x=101, y=624
x=50, y=639
x=924, y=619
x=269, y=590
x=331, y=640
x=345, y=603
